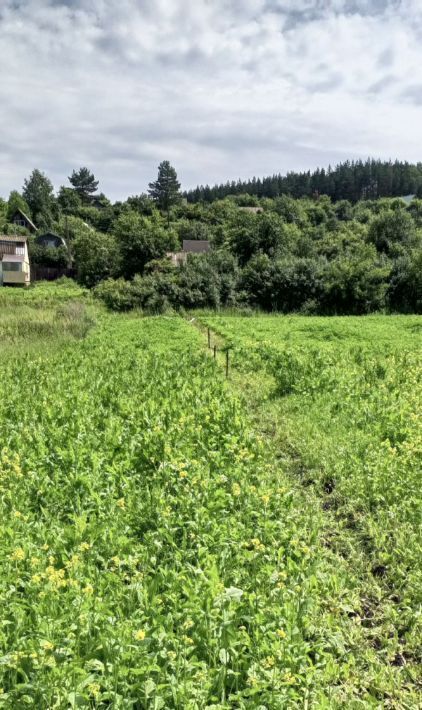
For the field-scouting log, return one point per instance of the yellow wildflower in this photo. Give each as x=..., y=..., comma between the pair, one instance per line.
x=121, y=503
x=18, y=554
x=94, y=689
x=139, y=635
x=183, y=474
x=18, y=514
x=281, y=634
x=88, y=590
x=47, y=645
x=84, y=546
x=265, y=499
x=236, y=490
x=45, y=546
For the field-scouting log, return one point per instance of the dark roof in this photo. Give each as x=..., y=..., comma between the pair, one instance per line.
x=50, y=236
x=26, y=218
x=196, y=246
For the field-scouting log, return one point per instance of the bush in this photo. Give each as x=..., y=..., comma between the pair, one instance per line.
x=116, y=294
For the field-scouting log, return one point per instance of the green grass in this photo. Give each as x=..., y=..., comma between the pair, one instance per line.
x=158, y=551
x=341, y=398
x=45, y=312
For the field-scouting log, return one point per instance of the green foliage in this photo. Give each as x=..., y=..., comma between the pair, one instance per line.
x=47, y=256
x=157, y=552
x=14, y=203
x=38, y=194
x=97, y=257
x=393, y=230
x=140, y=240
x=355, y=283
x=84, y=183
x=69, y=200
x=166, y=189
x=405, y=288
x=351, y=181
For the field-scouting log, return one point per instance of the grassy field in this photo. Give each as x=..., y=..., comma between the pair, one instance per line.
x=341, y=400
x=171, y=539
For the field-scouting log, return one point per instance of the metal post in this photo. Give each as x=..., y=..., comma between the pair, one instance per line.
x=215, y=351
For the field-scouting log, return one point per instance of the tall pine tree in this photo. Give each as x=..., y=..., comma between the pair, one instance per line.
x=166, y=188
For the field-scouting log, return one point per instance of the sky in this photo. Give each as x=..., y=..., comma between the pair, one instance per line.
x=221, y=88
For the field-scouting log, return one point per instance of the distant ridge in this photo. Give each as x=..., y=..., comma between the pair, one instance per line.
x=351, y=180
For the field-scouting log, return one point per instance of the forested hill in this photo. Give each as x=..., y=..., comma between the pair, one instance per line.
x=347, y=181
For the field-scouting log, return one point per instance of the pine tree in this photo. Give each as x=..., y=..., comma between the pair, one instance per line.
x=166, y=188
x=84, y=183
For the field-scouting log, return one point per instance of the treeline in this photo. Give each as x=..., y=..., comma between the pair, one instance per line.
x=352, y=180
x=309, y=254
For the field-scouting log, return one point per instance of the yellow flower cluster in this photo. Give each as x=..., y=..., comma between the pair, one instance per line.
x=236, y=489
x=257, y=544
x=18, y=554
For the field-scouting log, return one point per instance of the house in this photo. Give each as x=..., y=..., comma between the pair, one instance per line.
x=14, y=261
x=49, y=239
x=189, y=246
x=196, y=246
x=253, y=210
x=22, y=220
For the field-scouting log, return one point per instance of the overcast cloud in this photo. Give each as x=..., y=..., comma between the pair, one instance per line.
x=221, y=88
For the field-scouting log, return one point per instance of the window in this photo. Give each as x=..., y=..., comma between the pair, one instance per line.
x=11, y=266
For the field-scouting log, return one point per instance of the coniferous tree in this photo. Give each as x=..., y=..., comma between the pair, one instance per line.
x=165, y=190
x=84, y=183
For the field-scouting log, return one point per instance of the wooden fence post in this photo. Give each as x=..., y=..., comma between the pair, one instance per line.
x=227, y=362
x=209, y=338
x=215, y=352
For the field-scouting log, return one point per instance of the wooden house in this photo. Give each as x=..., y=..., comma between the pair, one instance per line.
x=14, y=261
x=22, y=220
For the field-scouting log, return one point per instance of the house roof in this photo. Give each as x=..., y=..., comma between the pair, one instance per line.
x=13, y=238
x=25, y=216
x=255, y=210
x=50, y=235
x=407, y=198
x=196, y=246
x=13, y=257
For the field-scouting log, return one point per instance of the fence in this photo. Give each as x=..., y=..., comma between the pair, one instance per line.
x=50, y=273
x=215, y=350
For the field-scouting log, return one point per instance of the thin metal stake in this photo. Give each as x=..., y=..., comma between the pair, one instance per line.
x=215, y=351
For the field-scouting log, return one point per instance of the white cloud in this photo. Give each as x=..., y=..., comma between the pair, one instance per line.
x=223, y=89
